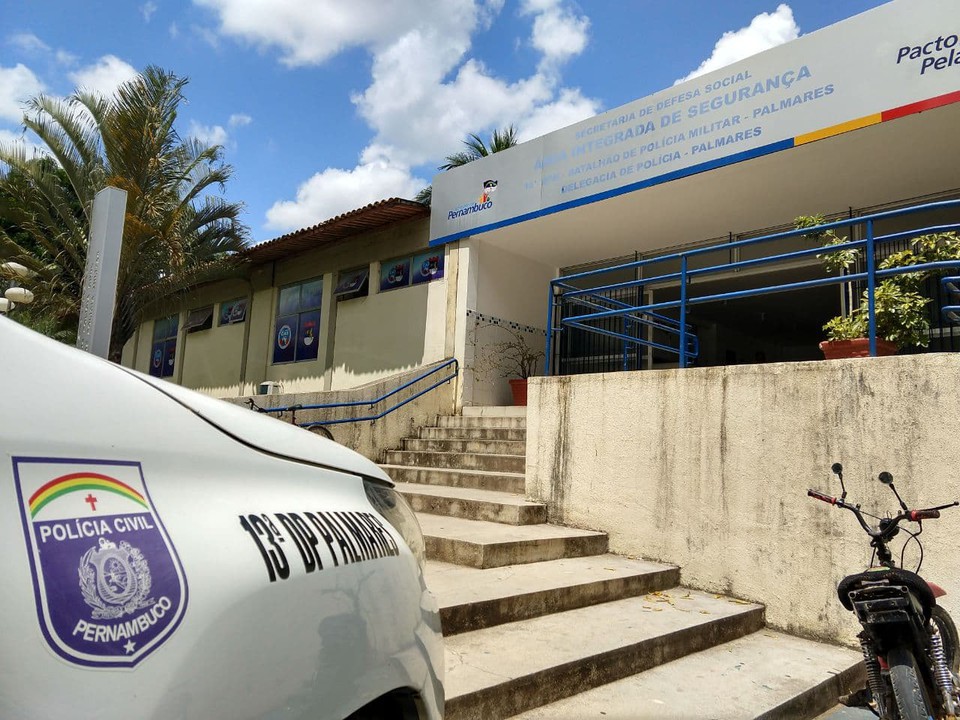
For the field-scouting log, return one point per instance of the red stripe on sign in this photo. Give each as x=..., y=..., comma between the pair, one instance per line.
x=917, y=107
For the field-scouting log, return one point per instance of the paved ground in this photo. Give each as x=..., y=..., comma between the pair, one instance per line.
x=845, y=713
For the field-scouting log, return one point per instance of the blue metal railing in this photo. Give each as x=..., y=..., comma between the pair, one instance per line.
x=951, y=286
x=451, y=362
x=563, y=290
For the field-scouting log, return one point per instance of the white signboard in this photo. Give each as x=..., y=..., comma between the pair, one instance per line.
x=898, y=59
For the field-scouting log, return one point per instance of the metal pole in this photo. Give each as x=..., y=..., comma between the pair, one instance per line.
x=683, y=311
x=549, y=348
x=100, y=278
x=871, y=290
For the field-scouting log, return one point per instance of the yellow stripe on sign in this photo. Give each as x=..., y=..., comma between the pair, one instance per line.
x=863, y=122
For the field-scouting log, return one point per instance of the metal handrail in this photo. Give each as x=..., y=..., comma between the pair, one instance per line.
x=376, y=401
x=561, y=287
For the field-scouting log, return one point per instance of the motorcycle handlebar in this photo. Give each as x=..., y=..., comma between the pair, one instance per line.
x=822, y=496
x=888, y=527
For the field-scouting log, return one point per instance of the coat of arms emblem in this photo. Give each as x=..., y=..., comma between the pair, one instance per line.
x=109, y=586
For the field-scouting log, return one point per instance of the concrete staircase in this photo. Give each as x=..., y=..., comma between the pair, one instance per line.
x=541, y=621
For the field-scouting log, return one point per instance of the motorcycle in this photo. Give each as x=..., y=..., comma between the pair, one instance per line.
x=909, y=642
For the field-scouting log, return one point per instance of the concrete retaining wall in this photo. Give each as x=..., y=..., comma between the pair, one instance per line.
x=371, y=438
x=708, y=468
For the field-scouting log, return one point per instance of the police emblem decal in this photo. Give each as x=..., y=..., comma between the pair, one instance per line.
x=108, y=584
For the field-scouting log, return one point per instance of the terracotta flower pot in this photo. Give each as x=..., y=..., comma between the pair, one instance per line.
x=858, y=347
x=519, y=388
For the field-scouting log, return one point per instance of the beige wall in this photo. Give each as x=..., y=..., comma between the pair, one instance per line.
x=388, y=332
x=361, y=339
x=708, y=468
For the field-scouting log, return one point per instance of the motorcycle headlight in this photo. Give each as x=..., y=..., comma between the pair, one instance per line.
x=395, y=509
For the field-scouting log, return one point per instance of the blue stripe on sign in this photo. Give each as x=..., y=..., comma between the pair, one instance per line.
x=632, y=187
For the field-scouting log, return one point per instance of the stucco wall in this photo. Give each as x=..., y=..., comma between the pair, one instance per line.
x=384, y=333
x=371, y=438
x=708, y=468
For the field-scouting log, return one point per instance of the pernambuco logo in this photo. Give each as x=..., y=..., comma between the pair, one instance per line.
x=484, y=202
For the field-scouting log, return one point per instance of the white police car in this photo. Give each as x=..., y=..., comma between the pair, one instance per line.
x=167, y=555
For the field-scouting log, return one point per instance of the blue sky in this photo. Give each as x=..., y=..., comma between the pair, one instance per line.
x=326, y=105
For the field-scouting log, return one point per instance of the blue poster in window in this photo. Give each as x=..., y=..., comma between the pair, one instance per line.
x=169, y=357
x=308, y=343
x=233, y=312
x=428, y=266
x=285, y=339
x=394, y=274
x=156, y=360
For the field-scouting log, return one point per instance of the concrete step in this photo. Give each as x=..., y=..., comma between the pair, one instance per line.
x=476, y=433
x=471, y=599
x=495, y=410
x=465, y=445
x=504, y=670
x=473, y=504
x=457, y=461
x=481, y=544
x=766, y=675
x=502, y=482
x=480, y=421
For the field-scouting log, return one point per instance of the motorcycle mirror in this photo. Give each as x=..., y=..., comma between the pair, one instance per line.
x=887, y=479
x=837, y=470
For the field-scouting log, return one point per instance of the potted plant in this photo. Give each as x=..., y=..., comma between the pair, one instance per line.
x=514, y=359
x=900, y=307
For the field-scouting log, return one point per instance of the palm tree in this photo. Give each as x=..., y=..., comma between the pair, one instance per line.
x=499, y=141
x=476, y=149
x=175, y=228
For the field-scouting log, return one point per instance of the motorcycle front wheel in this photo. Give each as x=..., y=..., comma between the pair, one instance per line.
x=913, y=700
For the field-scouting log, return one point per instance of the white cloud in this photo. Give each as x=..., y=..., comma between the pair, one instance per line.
x=28, y=42
x=65, y=58
x=17, y=84
x=174, y=31
x=309, y=33
x=208, y=134
x=104, y=76
x=426, y=93
x=334, y=191
x=569, y=108
x=147, y=10
x=239, y=120
x=557, y=33
x=765, y=31
x=209, y=36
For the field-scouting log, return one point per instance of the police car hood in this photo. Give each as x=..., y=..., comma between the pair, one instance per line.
x=44, y=381
x=268, y=434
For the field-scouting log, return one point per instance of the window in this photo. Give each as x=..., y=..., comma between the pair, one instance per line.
x=420, y=268
x=200, y=319
x=352, y=284
x=234, y=311
x=164, y=346
x=296, y=336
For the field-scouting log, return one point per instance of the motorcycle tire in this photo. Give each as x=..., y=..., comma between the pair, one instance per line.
x=909, y=690
x=948, y=633
x=323, y=432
